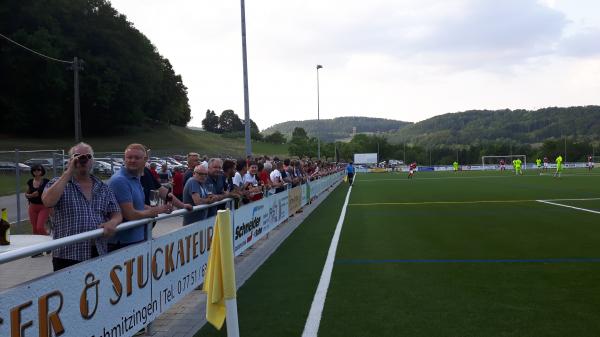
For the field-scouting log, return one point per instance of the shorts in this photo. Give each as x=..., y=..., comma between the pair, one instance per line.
x=546, y=165
x=411, y=171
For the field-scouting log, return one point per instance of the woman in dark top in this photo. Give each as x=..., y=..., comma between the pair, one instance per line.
x=38, y=213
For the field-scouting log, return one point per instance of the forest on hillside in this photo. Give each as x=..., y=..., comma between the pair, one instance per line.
x=124, y=82
x=337, y=128
x=504, y=126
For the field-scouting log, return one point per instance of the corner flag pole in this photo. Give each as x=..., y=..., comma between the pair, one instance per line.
x=219, y=283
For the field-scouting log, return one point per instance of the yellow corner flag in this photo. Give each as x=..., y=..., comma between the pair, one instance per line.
x=219, y=281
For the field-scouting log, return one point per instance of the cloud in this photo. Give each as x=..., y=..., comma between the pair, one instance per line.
x=581, y=44
x=463, y=33
x=403, y=59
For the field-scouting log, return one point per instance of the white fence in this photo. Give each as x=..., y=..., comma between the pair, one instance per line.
x=116, y=295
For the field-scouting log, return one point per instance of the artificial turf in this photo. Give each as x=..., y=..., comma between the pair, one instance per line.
x=439, y=256
x=276, y=300
x=443, y=254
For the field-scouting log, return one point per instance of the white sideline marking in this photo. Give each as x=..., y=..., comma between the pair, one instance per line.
x=573, y=207
x=311, y=328
x=465, y=202
x=575, y=199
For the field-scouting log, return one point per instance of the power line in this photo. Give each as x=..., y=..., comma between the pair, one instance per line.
x=35, y=52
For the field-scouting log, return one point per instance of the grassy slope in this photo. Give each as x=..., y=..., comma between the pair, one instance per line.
x=466, y=299
x=275, y=301
x=173, y=139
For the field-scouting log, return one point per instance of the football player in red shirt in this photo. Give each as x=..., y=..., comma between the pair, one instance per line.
x=411, y=169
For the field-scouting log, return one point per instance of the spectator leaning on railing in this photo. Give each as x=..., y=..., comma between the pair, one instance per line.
x=130, y=196
x=81, y=203
x=216, y=184
x=251, y=184
x=195, y=193
x=229, y=172
x=276, y=177
x=238, y=178
x=265, y=173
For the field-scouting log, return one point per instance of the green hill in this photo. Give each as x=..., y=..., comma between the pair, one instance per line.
x=338, y=128
x=522, y=126
x=163, y=140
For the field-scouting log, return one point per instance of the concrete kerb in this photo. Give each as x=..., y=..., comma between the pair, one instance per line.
x=188, y=316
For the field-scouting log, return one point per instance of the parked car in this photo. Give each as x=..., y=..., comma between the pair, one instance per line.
x=6, y=166
x=173, y=161
x=48, y=163
x=103, y=167
x=109, y=160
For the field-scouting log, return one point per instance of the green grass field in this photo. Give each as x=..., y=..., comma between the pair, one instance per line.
x=444, y=254
x=162, y=140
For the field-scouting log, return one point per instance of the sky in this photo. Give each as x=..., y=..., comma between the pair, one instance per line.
x=400, y=59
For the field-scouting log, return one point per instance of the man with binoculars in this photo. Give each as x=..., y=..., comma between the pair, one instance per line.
x=81, y=202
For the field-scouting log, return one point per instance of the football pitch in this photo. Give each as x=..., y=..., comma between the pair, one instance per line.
x=443, y=254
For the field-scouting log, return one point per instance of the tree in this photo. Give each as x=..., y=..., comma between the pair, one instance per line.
x=230, y=122
x=299, y=133
x=125, y=81
x=275, y=138
x=301, y=145
x=211, y=122
x=253, y=126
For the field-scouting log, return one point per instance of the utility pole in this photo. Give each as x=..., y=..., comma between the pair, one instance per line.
x=77, y=66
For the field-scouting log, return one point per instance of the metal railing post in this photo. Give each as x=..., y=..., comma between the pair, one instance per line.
x=18, y=186
x=149, y=227
x=112, y=166
x=54, y=164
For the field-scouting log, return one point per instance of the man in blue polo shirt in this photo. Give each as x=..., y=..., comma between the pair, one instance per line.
x=130, y=196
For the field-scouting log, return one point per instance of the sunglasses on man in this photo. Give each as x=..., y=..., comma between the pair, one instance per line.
x=200, y=173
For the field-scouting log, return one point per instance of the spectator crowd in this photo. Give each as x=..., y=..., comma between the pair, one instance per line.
x=78, y=201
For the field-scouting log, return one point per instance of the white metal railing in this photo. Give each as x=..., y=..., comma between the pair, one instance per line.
x=97, y=233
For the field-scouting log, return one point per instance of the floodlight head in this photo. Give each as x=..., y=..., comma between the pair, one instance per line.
x=319, y=66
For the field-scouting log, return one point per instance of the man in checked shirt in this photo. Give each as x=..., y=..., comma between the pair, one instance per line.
x=81, y=203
